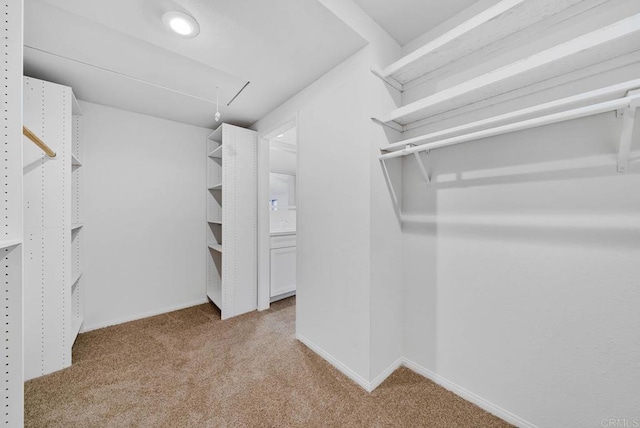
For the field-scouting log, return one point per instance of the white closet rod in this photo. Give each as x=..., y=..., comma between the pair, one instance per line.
x=575, y=99
x=630, y=101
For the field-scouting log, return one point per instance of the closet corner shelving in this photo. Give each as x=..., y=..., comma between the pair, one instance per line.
x=77, y=223
x=53, y=227
x=232, y=220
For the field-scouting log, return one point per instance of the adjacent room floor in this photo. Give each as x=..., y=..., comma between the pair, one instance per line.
x=189, y=369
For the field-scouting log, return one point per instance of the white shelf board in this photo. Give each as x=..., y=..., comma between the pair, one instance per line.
x=75, y=109
x=216, y=135
x=215, y=222
x=75, y=277
x=215, y=247
x=217, y=153
x=75, y=161
x=216, y=187
x=494, y=24
x=609, y=42
x=76, y=326
x=8, y=243
x=617, y=91
x=75, y=226
x=215, y=297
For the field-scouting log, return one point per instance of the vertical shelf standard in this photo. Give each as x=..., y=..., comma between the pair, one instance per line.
x=11, y=224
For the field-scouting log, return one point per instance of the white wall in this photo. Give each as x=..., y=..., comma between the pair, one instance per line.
x=338, y=284
x=521, y=273
x=144, y=215
x=520, y=263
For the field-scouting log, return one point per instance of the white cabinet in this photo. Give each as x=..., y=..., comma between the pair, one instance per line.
x=283, y=265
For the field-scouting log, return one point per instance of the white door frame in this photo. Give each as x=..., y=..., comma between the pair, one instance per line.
x=264, y=228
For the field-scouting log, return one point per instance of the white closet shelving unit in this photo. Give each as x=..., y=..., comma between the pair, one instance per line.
x=52, y=227
x=11, y=231
x=76, y=289
x=232, y=220
x=485, y=32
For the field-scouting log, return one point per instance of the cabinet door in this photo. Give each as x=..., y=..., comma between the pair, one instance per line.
x=283, y=270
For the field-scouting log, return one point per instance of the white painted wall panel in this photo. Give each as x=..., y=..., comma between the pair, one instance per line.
x=521, y=272
x=346, y=221
x=144, y=215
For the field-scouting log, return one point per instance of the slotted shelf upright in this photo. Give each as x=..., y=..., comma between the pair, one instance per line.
x=11, y=205
x=232, y=220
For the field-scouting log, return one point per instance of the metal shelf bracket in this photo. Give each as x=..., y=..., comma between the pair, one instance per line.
x=423, y=169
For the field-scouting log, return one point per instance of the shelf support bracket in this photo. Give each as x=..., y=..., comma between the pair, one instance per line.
x=388, y=80
x=387, y=178
x=391, y=125
x=626, y=134
x=423, y=169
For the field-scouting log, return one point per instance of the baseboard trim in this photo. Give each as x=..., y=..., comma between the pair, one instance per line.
x=142, y=315
x=385, y=374
x=422, y=371
x=468, y=395
x=335, y=362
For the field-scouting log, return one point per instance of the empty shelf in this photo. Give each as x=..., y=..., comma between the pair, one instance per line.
x=75, y=161
x=216, y=297
x=215, y=247
x=483, y=33
x=216, y=187
x=604, y=44
x=216, y=135
x=75, y=226
x=76, y=326
x=75, y=109
x=217, y=153
x=75, y=278
x=8, y=243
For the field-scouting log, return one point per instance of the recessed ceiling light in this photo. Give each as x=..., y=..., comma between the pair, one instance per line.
x=181, y=23
x=280, y=136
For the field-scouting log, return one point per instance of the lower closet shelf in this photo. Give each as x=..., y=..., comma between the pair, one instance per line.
x=75, y=327
x=215, y=247
x=9, y=243
x=215, y=297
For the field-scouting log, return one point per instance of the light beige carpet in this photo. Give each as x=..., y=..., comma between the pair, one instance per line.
x=189, y=369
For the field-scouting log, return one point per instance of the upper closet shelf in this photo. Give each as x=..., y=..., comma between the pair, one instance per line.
x=8, y=243
x=216, y=135
x=595, y=47
x=481, y=31
x=75, y=108
x=216, y=187
x=217, y=153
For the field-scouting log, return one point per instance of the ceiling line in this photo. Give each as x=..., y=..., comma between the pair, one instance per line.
x=137, y=79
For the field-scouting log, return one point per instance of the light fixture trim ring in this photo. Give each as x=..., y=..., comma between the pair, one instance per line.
x=181, y=23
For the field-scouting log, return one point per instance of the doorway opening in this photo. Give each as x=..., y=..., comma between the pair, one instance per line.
x=277, y=214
